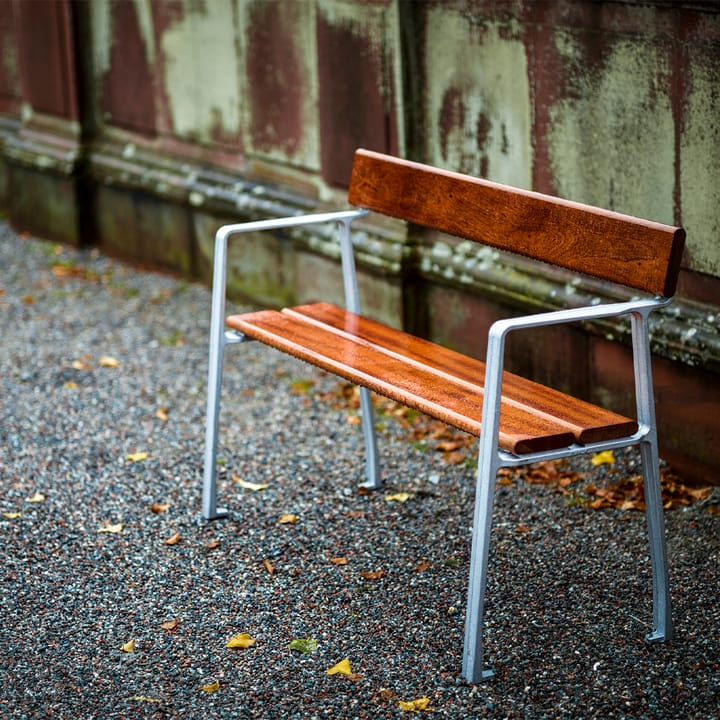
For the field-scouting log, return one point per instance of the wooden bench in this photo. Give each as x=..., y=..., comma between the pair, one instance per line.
x=518, y=421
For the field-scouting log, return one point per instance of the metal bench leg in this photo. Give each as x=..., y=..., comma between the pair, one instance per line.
x=473, y=670
x=662, y=612
x=372, y=463
x=644, y=396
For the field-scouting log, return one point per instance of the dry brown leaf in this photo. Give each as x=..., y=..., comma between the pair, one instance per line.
x=354, y=514
x=372, y=575
x=422, y=566
x=269, y=566
x=170, y=624
x=339, y=560
x=213, y=545
x=173, y=539
x=448, y=445
x=158, y=508
x=453, y=458
x=162, y=414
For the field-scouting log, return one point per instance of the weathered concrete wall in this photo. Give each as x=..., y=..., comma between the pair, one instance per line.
x=141, y=126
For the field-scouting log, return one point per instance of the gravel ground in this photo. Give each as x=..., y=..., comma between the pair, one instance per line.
x=568, y=597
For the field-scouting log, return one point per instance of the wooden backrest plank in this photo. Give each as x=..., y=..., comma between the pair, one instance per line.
x=638, y=253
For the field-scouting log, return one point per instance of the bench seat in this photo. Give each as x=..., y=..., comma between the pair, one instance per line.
x=430, y=378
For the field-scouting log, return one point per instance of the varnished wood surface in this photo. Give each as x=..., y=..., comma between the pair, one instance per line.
x=638, y=253
x=429, y=378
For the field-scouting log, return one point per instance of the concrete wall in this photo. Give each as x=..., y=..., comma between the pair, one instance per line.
x=140, y=126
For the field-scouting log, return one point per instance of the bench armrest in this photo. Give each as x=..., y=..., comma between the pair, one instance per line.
x=639, y=310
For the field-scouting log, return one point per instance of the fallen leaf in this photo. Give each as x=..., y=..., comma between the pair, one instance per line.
x=212, y=687
x=12, y=515
x=79, y=365
x=158, y=508
x=36, y=498
x=342, y=668
x=422, y=566
x=144, y=698
x=170, y=624
x=70, y=385
x=109, y=362
x=128, y=647
x=269, y=566
x=372, y=575
x=288, y=519
x=453, y=458
x=173, y=539
x=339, y=560
x=605, y=457
x=162, y=414
x=354, y=419
x=400, y=497
x=255, y=487
x=28, y=299
x=303, y=645
x=136, y=457
x=213, y=545
x=243, y=640
x=448, y=445
x=110, y=528
x=354, y=514
x=418, y=705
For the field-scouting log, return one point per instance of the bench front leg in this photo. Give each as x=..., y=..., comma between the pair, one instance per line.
x=489, y=463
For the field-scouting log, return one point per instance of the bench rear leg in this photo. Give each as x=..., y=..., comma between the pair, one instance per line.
x=662, y=611
x=210, y=510
x=372, y=463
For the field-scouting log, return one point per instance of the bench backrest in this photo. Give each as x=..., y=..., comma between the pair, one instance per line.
x=638, y=253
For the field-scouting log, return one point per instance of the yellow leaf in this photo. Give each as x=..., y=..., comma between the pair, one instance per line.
x=12, y=515
x=114, y=529
x=398, y=497
x=249, y=485
x=128, y=647
x=173, y=540
x=36, y=498
x=162, y=414
x=136, y=457
x=109, y=362
x=243, y=640
x=342, y=668
x=422, y=703
x=70, y=385
x=605, y=457
x=288, y=519
x=79, y=365
x=212, y=687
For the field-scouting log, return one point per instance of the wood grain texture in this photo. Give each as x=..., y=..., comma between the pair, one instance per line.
x=430, y=378
x=638, y=253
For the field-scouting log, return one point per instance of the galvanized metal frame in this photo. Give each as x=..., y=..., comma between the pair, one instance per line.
x=490, y=457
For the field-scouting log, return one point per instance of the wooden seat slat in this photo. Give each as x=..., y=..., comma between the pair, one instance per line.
x=428, y=377
x=588, y=422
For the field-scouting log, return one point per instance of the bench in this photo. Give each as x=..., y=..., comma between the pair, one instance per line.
x=517, y=421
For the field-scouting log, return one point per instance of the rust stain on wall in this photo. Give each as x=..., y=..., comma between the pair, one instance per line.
x=127, y=90
x=275, y=84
